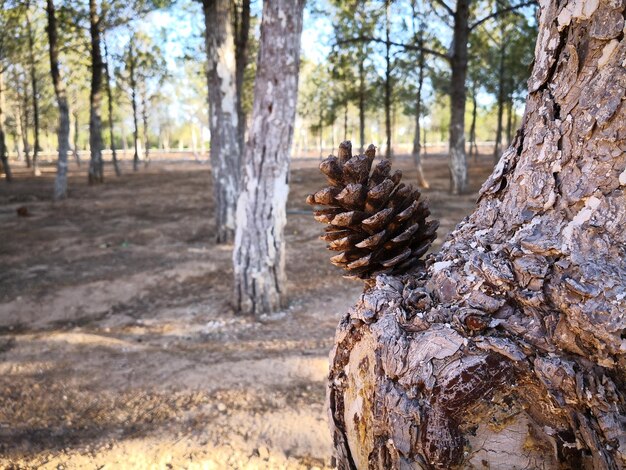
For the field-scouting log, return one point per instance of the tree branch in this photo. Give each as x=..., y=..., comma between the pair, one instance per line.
x=445, y=5
x=500, y=12
x=411, y=47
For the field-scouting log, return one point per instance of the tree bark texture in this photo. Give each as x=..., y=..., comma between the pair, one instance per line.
x=35, y=90
x=63, y=131
x=458, y=65
x=259, y=259
x=107, y=73
x=242, y=32
x=509, y=349
x=223, y=115
x=95, y=97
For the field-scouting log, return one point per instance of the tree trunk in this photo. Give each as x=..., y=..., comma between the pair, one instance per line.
x=63, y=131
x=242, y=32
x=133, y=95
x=417, y=146
x=144, y=117
x=95, y=98
x=387, y=79
x=509, y=120
x=362, y=104
x=497, y=150
x=223, y=115
x=259, y=261
x=508, y=351
x=473, y=146
x=6, y=167
x=24, y=118
x=345, y=121
x=76, y=135
x=107, y=77
x=35, y=91
x=458, y=65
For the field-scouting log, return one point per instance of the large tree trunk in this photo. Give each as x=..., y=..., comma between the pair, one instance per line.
x=223, y=115
x=35, y=91
x=107, y=76
x=458, y=65
x=6, y=167
x=242, y=32
x=95, y=97
x=63, y=131
x=259, y=261
x=509, y=350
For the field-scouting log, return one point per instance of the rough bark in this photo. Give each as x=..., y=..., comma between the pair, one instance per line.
x=95, y=98
x=63, y=131
x=223, y=115
x=6, y=167
x=458, y=66
x=242, y=32
x=107, y=76
x=417, y=146
x=509, y=349
x=34, y=90
x=259, y=261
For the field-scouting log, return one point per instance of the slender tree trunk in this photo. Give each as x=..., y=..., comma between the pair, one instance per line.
x=63, y=132
x=473, y=146
x=321, y=132
x=345, y=121
x=417, y=147
x=76, y=136
x=24, y=118
x=458, y=64
x=497, y=150
x=242, y=32
x=509, y=120
x=95, y=97
x=144, y=116
x=362, y=104
x=507, y=351
x=258, y=257
x=107, y=77
x=388, y=78
x=223, y=115
x=35, y=90
x=6, y=167
x=133, y=94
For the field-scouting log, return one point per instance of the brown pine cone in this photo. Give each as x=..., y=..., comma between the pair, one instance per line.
x=374, y=220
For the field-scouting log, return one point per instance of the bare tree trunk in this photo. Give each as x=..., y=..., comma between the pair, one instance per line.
x=509, y=120
x=107, y=76
x=35, y=90
x=133, y=94
x=63, y=132
x=345, y=121
x=387, y=78
x=417, y=146
x=223, y=113
x=76, y=135
x=508, y=350
x=458, y=64
x=6, y=167
x=497, y=150
x=95, y=98
x=242, y=32
x=24, y=118
x=144, y=117
x=258, y=257
x=362, y=103
x=473, y=146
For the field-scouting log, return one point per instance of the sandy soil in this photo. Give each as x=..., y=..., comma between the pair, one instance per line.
x=118, y=344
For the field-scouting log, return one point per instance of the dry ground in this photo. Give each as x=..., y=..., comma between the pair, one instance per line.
x=118, y=344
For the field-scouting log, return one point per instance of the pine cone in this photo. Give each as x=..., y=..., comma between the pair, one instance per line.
x=375, y=221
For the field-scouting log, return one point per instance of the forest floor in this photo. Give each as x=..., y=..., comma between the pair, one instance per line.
x=118, y=344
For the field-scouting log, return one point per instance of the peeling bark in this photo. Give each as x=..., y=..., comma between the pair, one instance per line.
x=509, y=350
x=223, y=114
x=258, y=257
